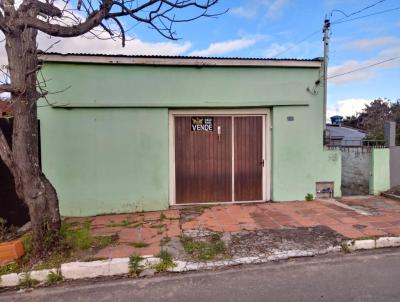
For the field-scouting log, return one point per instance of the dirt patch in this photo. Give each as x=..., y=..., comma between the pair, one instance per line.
x=191, y=213
x=244, y=244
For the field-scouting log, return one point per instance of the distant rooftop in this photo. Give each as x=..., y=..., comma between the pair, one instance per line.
x=343, y=132
x=176, y=60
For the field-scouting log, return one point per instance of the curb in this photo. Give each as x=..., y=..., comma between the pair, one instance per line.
x=120, y=266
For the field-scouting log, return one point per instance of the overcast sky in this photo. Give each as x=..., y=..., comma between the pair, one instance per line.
x=269, y=28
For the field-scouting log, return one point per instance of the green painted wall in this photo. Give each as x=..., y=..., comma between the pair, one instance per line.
x=298, y=157
x=107, y=151
x=380, y=171
x=151, y=86
x=104, y=161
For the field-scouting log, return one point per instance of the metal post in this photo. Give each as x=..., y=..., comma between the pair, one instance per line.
x=327, y=24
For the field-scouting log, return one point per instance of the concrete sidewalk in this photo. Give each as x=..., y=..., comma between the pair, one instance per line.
x=144, y=233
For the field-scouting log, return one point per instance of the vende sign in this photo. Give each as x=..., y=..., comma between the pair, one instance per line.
x=202, y=123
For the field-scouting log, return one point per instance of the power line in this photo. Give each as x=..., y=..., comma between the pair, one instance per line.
x=362, y=68
x=365, y=16
x=297, y=43
x=356, y=12
x=339, y=21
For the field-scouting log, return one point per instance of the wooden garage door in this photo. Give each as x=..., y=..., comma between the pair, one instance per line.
x=203, y=161
x=248, y=157
x=218, y=165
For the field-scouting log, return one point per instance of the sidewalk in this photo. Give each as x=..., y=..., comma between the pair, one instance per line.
x=145, y=233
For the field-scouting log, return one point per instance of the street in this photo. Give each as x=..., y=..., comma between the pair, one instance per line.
x=369, y=276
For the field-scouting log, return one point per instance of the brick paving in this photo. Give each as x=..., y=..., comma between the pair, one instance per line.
x=152, y=227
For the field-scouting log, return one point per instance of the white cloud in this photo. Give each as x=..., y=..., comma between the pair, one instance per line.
x=372, y=43
x=276, y=8
x=94, y=45
x=347, y=107
x=243, y=12
x=254, y=8
x=221, y=48
x=292, y=50
x=108, y=46
x=364, y=74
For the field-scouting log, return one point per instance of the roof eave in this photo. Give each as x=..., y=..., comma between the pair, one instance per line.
x=175, y=61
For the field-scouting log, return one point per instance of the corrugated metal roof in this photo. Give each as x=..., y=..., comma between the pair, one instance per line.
x=180, y=57
x=90, y=58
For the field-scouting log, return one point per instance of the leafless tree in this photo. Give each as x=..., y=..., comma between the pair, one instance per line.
x=20, y=24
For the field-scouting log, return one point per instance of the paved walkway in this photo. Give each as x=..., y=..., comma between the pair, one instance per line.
x=144, y=233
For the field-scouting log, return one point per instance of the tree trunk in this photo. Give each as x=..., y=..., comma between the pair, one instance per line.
x=31, y=184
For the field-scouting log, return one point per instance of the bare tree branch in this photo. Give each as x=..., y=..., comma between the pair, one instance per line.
x=93, y=20
x=8, y=88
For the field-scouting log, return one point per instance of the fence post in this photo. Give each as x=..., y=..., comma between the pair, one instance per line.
x=390, y=134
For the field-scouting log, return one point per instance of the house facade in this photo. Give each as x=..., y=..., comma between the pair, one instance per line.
x=133, y=133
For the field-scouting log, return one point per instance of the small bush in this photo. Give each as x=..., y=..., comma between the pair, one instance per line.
x=135, y=267
x=167, y=261
x=309, y=197
x=54, y=277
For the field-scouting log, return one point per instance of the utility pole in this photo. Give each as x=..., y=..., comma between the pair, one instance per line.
x=327, y=25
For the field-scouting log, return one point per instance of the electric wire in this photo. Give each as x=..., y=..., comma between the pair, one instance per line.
x=363, y=67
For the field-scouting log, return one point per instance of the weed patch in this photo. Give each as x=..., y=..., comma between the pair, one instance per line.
x=204, y=250
x=135, y=267
x=54, y=277
x=166, y=262
x=27, y=282
x=139, y=244
x=123, y=223
x=9, y=268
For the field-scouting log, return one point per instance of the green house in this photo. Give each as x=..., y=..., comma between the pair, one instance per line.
x=133, y=133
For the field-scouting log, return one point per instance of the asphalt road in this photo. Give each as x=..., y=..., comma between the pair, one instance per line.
x=356, y=277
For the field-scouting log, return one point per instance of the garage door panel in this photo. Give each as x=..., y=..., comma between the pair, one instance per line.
x=248, y=158
x=203, y=161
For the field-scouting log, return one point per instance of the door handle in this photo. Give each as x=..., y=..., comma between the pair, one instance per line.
x=262, y=163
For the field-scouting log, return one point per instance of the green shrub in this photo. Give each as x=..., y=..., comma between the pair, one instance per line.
x=54, y=277
x=167, y=261
x=135, y=267
x=309, y=197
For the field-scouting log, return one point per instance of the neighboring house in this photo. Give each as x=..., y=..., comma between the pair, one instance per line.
x=345, y=136
x=138, y=133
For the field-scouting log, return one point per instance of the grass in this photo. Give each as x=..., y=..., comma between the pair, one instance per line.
x=135, y=267
x=139, y=244
x=54, y=277
x=9, y=268
x=157, y=226
x=27, y=281
x=203, y=250
x=123, y=223
x=166, y=262
x=74, y=242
